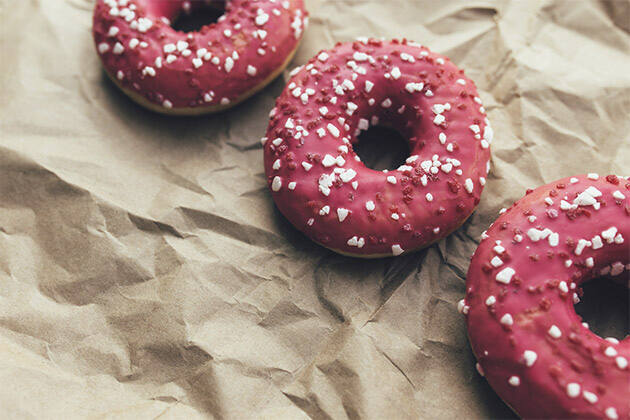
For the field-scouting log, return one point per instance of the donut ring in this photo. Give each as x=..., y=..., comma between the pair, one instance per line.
x=521, y=287
x=194, y=73
x=319, y=183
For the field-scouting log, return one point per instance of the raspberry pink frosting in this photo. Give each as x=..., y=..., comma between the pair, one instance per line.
x=213, y=66
x=320, y=184
x=522, y=284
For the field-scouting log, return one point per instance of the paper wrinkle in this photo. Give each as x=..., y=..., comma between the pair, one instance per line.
x=145, y=272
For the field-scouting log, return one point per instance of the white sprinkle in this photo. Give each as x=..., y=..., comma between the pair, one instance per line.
x=395, y=73
x=368, y=86
x=333, y=130
x=348, y=84
x=167, y=104
x=592, y=176
x=439, y=119
x=103, y=47
x=148, y=70
x=181, y=46
x=328, y=161
x=348, y=175
x=251, y=70
x=197, y=62
x=133, y=43
x=514, y=381
x=276, y=184
x=360, y=56
x=292, y=185
x=391, y=179
x=414, y=87
x=144, y=24
x=563, y=287
x=429, y=197
x=573, y=390
x=276, y=165
x=397, y=250
x=582, y=243
x=610, y=352
x=342, y=214
x=618, y=195
x=505, y=276
x=369, y=205
x=460, y=82
x=554, y=332
x=611, y=413
x=496, y=261
x=351, y=107
x=590, y=397
x=491, y=300
x=386, y=103
x=229, y=64
x=609, y=234
x=506, y=319
x=468, y=184
x=261, y=19
x=322, y=56
x=622, y=362
x=530, y=357
x=307, y=166
x=324, y=211
x=479, y=369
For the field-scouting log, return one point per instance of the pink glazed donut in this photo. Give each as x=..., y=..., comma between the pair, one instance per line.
x=200, y=72
x=522, y=284
x=320, y=184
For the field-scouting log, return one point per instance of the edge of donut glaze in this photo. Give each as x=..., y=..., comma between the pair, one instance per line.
x=522, y=284
x=409, y=251
x=193, y=111
x=198, y=72
x=316, y=179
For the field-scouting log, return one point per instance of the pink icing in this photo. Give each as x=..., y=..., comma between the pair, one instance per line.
x=521, y=286
x=319, y=184
x=213, y=66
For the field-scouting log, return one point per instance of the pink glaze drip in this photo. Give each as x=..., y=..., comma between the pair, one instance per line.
x=319, y=184
x=213, y=66
x=521, y=287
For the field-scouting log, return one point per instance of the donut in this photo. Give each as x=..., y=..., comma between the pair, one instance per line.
x=210, y=70
x=523, y=281
x=320, y=184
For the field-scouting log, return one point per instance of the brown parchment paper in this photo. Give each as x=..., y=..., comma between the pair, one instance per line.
x=144, y=271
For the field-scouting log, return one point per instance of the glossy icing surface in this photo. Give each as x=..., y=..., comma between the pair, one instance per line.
x=320, y=184
x=523, y=281
x=211, y=67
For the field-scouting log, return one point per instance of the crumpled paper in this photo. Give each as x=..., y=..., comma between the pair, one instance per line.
x=144, y=271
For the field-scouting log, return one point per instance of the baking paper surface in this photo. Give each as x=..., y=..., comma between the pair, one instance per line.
x=144, y=271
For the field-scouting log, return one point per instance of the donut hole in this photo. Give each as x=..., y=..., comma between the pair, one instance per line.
x=200, y=13
x=605, y=306
x=381, y=147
